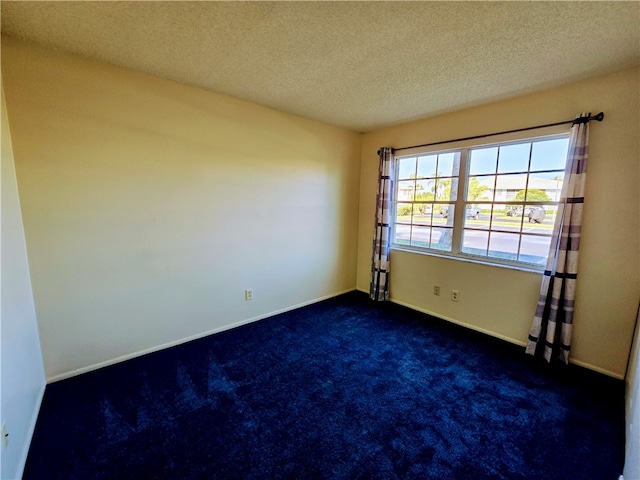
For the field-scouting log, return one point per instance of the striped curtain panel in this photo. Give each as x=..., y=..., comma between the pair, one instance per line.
x=379, y=286
x=553, y=321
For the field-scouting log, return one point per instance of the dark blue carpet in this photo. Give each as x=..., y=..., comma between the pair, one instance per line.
x=343, y=389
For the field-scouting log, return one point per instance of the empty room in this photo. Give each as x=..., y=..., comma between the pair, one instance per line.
x=341, y=240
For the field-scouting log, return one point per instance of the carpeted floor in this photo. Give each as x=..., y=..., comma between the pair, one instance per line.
x=343, y=389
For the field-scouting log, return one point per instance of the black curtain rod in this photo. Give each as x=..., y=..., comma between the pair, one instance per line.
x=599, y=117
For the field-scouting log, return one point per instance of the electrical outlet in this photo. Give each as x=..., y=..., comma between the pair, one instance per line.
x=5, y=436
x=248, y=294
x=455, y=295
x=436, y=290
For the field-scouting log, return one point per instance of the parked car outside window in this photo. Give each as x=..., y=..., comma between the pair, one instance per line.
x=471, y=212
x=536, y=215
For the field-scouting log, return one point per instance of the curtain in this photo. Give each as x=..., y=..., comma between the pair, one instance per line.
x=379, y=286
x=550, y=334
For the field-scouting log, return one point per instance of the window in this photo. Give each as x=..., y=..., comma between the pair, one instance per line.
x=495, y=203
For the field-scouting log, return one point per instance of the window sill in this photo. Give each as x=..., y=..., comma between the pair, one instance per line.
x=468, y=259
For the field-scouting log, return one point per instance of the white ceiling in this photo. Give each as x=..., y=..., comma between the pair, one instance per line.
x=359, y=65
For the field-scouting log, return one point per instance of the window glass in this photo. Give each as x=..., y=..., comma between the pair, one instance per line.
x=504, y=245
x=427, y=166
x=483, y=160
x=406, y=168
x=508, y=202
x=448, y=165
x=422, y=213
x=406, y=189
x=514, y=158
x=549, y=154
x=441, y=239
x=420, y=236
x=481, y=188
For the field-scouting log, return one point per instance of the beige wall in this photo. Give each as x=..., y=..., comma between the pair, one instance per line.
x=22, y=384
x=501, y=301
x=150, y=206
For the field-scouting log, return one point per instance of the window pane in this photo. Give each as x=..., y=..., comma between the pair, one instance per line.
x=507, y=217
x=406, y=168
x=447, y=212
x=420, y=236
x=515, y=212
x=446, y=189
x=403, y=234
x=543, y=189
x=539, y=219
x=537, y=215
x=473, y=217
x=534, y=249
x=422, y=213
x=511, y=187
x=424, y=189
x=511, y=218
x=483, y=160
x=514, y=158
x=403, y=212
x=504, y=245
x=549, y=154
x=427, y=166
x=441, y=239
x=449, y=164
x=454, y=189
x=475, y=242
x=480, y=188
x=405, y=190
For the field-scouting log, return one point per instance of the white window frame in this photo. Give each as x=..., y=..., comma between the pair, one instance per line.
x=461, y=202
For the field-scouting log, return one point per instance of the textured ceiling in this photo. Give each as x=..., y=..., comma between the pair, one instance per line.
x=360, y=65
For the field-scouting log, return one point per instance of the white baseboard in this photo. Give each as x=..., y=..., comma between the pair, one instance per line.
x=580, y=363
x=595, y=368
x=462, y=324
x=32, y=427
x=106, y=363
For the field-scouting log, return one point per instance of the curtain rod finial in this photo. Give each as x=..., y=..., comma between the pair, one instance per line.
x=599, y=117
